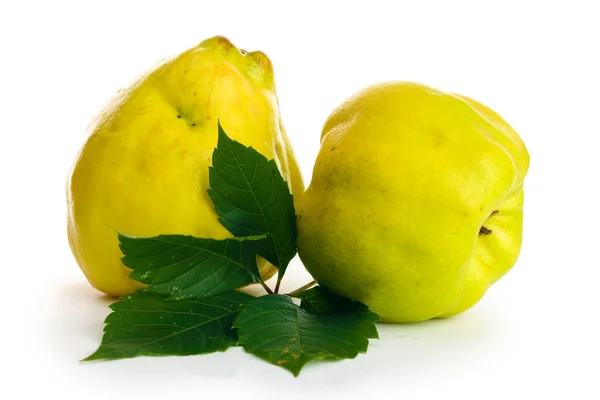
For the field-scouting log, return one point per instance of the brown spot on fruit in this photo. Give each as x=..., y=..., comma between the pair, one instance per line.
x=485, y=231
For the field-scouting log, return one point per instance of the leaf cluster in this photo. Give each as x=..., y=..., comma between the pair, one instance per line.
x=192, y=304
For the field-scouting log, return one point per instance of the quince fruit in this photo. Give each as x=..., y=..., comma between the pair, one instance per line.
x=144, y=168
x=416, y=201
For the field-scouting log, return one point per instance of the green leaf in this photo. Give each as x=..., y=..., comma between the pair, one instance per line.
x=147, y=323
x=185, y=266
x=252, y=198
x=278, y=331
x=321, y=300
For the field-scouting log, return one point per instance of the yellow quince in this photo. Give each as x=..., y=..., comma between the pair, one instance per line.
x=144, y=168
x=416, y=201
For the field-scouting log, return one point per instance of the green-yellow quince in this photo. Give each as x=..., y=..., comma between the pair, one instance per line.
x=144, y=168
x=416, y=201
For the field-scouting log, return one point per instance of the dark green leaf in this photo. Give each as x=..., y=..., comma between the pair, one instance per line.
x=252, y=198
x=278, y=331
x=323, y=301
x=146, y=323
x=185, y=266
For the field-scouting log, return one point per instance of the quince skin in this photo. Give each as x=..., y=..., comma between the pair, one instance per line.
x=415, y=204
x=144, y=168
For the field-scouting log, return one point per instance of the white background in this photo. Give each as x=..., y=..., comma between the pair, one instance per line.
x=535, y=333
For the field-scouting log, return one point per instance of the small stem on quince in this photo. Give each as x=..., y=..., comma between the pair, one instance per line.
x=485, y=231
x=300, y=289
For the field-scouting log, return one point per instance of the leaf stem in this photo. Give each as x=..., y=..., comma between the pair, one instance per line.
x=278, y=283
x=300, y=289
x=268, y=289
